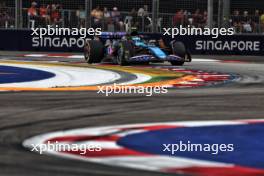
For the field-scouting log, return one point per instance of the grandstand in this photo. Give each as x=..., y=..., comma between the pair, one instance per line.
x=137, y=13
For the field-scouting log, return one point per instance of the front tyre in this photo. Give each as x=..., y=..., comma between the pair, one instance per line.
x=125, y=52
x=93, y=51
x=178, y=49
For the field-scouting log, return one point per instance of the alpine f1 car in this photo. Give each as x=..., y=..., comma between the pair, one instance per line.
x=126, y=49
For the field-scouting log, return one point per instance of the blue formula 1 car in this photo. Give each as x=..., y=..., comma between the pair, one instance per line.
x=126, y=49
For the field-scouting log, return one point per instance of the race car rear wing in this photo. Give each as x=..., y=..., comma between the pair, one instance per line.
x=112, y=35
x=119, y=35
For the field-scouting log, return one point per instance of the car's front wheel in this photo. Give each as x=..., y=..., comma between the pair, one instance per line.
x=93, y=51
x=125, y=51
x=178, y=49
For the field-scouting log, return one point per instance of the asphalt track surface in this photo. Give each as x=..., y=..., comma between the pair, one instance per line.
x=26, y=114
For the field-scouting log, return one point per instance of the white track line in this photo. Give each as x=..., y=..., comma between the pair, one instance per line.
x=65, y=76
x=82, y=57
x=204, y=60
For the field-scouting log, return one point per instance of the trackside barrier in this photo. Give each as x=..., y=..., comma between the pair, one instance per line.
x=21, y=40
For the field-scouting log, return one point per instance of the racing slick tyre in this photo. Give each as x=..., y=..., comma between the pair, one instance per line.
x=125, y=51
x=178, y=48
x=93, y=51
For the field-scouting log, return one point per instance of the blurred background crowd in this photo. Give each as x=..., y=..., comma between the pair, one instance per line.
x=122, y=17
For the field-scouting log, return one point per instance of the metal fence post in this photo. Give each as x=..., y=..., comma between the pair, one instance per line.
x=226, y=13
x=18, y=14
x=88, y=10
x=155, y=15
x=210, y=14
x=220, y=14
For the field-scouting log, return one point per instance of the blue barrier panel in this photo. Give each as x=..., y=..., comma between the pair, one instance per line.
x=22, y=40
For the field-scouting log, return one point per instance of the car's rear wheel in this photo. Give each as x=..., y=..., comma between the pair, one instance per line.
x=178, y=48
x=93, y=51
x=125, y=51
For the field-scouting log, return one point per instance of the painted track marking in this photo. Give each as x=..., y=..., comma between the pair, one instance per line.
x=115, y=154
x=78, y=77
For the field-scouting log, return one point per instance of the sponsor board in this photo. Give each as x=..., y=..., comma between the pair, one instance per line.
x=22, y=40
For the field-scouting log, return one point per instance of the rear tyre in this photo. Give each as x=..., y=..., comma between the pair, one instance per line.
x=125, y=51
x=178, y=48
x=93, y=51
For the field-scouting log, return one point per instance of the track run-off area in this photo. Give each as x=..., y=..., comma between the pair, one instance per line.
x=35, y=76
x=212, y=100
